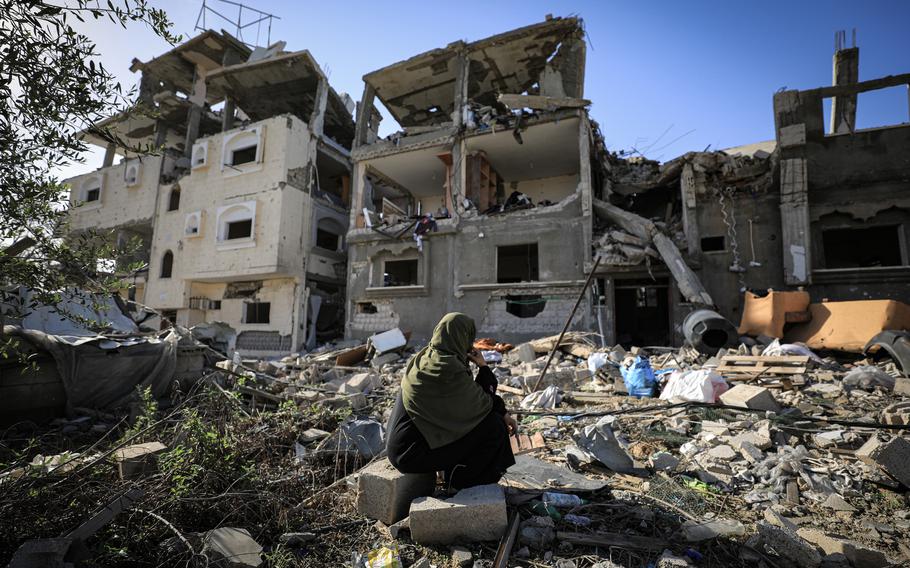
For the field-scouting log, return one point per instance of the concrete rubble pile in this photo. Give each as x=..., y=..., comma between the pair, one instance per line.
x=759, y=468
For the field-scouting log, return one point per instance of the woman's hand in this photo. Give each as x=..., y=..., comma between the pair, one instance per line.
x=476, y=357
x=511, y=424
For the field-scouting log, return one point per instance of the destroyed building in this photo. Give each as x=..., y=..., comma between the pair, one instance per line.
x=823, y=209
x=496, y=145
x=241, y=216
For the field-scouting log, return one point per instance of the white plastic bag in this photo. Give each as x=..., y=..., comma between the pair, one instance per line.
x=702, y=385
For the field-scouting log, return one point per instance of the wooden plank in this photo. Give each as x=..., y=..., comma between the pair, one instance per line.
x=508, y=541
x=763, y=370
x=767, y=358
x=608, y=540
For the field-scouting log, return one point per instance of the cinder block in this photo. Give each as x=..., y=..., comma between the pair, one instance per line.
x=749, y=396
x=385, y=494
x=139, y=459
x=892, y=456
x=526, y=353
x=359, y=383
x=473, y=514
x=858, y=554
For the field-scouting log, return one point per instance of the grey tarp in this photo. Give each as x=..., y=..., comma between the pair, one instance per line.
x=96, y=377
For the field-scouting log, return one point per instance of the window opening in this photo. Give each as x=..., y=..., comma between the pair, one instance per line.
x=517, y=263
x=525, y=306
x=167, y=264
x=257, y=312
x=367, y=308
x=713, y=244
x=244, y=155
x=173, y=202
x=862, y=247
x=93, y=194
x=239, y=229
x=400, y=273
x=327, y=239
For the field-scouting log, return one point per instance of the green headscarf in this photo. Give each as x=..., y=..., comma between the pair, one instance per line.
x=438, y=391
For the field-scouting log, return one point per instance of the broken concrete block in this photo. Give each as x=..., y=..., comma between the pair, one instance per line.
x=838, y=503
x=789, y=545
x=228, y=547
x=526, y=353
x=695, y=531
x=722, y=452
x=749, y=396
x=138, y=459
x=892, y=456
x=779, y=520
x=537, y=532
x=388, y=341
x=473, y=514
x=750, y=453
x=384, y=359
x=902, y=386
x=583, y=374
x=312, y=435
x=359, y=383
x=858, y=554
x=385, y=494
x=461, y=556
x=663, y=461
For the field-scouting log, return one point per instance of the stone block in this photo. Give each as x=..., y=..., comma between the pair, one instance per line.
x=583, y=374
x=892, y=456
x=384, y=359
x=526, y=353
x=473, y=514
x=902, y=386
x=359, y=383
x=138, y=460
x=859, y=555
x=385, y=494
x=749, y=396
x=789, y=545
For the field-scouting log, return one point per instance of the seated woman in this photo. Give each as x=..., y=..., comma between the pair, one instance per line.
x=446, y=421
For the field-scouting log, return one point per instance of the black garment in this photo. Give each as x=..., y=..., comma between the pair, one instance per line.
x=481, y=456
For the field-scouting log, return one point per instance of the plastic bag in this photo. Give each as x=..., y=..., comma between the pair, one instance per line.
x=702, y=385
x=639, y=378
x=596, y=361
x=384, y=557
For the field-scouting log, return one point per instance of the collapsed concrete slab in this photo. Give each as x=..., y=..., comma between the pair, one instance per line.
x=892, y=456
x=752, y=397
x=857, y=554
x=473, y=514
x=385, y=494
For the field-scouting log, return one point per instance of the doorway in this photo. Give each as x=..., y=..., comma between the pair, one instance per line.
x=642, y=308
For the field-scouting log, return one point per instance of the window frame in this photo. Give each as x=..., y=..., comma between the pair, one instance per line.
x=90, y=183
x=197, y=216
x=241, y=140
x=246, y=312
x=232, y=213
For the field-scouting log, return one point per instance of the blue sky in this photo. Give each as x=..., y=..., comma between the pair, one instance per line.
x=665, y=77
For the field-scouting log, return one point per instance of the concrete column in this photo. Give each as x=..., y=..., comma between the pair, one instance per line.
x=794, y=220
x=227, y=115
x=357, y=191
x=843, y=107
x=689, y=209
x=193, y=118
x=459, y=175
x=364, y=112
x=109, y=152
x=462, y=72
x=160, y=133
x=194, y=115
x=317, y=117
